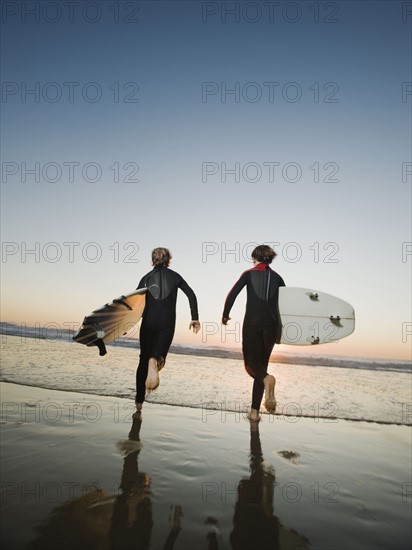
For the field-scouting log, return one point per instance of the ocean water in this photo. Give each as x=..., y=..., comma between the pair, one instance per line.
x=324, y=393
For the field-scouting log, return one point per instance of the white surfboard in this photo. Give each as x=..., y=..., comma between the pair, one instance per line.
x=111, y=321
x=312, y=317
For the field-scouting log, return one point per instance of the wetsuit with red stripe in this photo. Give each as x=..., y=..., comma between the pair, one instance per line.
x=261, y=324
x=159, y=318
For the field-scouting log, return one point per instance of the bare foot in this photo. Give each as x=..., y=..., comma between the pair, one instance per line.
x=161, y=363
x=152, y=379
x=270, y=401
x=254, y=415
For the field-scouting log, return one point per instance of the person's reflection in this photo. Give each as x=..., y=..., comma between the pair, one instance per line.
x=97, y=521
x=254, y=524
x=132, y=520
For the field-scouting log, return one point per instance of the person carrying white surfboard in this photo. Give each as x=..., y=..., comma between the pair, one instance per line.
x=261, y=324
x=159, y=320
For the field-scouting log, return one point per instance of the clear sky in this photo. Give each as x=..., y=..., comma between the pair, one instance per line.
x=208, y=127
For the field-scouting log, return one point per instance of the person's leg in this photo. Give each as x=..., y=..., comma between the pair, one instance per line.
x=269, y=335
x=141, y=373
x=159, y=349
x=161, y=345
x=252, y=354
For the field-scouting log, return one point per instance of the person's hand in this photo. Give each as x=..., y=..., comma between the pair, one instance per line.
x=195, y=325
x=225, y=320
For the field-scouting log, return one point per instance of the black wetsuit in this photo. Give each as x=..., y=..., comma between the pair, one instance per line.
x=159, y=318
x=261, y=325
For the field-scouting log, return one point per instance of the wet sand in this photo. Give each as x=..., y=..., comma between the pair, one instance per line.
x=77, y=471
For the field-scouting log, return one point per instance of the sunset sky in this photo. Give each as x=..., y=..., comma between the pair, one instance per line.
x=208, y=128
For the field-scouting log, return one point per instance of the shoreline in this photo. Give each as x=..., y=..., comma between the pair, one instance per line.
x=78, y=471
x=243, y=413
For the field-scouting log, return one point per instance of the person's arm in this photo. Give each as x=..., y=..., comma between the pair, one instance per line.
x=192, y=299
x=231, y=297
x=195, y=324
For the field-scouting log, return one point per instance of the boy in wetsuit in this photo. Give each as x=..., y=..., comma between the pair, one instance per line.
x=159, y=320
x=261, y=324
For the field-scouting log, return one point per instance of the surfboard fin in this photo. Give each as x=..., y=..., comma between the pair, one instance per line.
x=335, y=320
x=102, y=347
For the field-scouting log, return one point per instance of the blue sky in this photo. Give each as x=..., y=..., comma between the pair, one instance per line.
x=116, y=135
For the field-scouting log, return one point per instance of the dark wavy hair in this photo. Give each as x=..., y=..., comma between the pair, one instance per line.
x=161, y=256
x=264, y=254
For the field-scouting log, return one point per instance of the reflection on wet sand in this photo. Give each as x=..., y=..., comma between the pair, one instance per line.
x=132, y=519
x=99, y=521
x=254, y=524
x=124, y=521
